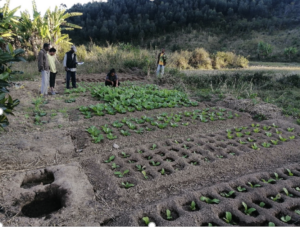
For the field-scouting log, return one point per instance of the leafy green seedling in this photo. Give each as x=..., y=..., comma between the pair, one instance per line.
x=255, y=147
x=248, y=211
x=185, y=124
x=290, y=129
x=125, y=155
x=297, y=212
x=275, y=126
x=277, y=176
x=127, y=185
x=256, y=130
x=98, y=138
x=290, y=172
x=285, y=219
x=140, y=167
x=168, y=213
x=220, y=156
x=131, y=126
x=153, y=163
x=262, y=204
x=117, y=124
x=241, y=189
x=237, y=115
x=209, y=201
x=114, y=166
x=266, y=145
x=266, y=127
x=173, y=125
x=292, y=137
x=254, y=185
x=287, y=192
x=282, y=139
x=110, y=136
x=229, y=136
x=227, y=195
x=297, y=189
x=228, y=218
x=163, y=172
x=269, y=134
x=278, y=132
x=146, y=220
x=248, y=133
x=145, y=174
x=110, y=159
x=242, y=142
x=139, y=131
x=275, y=142
x=277, y=197
x=228, y=130
x=154, y=146
x=268, y=181
x=250, y=140
x=120, y=174
x=125, y=133
x=271, y=224
x=194, y=163
x=193, y=205
x=239, y=134
x=106, y=129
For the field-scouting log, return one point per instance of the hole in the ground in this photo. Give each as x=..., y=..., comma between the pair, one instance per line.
x=191, y=206
x=246, y=209
x=228, y=194
x=45, y=203
x=229, y=218
x=145, y=219
x=285, y=218
x=165, y=172
x=169, y=214
x=34, y=180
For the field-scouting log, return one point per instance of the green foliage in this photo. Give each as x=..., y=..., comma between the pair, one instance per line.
x=241, y=189
x=209, y=201
x=228, y=218
x=121, y=174
x=227, y=195
x=127, y=185
x=248, y=211
x=193, y=205
x=290, y=52
x=254, y=185
x=146, y=220
x=285, y=219
x=110, y=159
x=168, y=213
x=264, y=49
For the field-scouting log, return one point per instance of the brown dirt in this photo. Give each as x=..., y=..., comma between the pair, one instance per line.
x=53, y=174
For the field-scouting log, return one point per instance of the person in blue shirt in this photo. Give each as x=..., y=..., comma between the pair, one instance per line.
x=112, y=79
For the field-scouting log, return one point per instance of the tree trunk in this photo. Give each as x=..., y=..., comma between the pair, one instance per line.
x=34, y=46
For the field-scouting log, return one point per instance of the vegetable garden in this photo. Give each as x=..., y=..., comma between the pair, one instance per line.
x=141, y=153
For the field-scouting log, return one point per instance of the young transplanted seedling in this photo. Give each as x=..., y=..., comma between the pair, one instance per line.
x=168, y=213
x=277, y=197
x=255, y=147
x=254, y=185
x=266, y=145
x=262, y=204
x=140, y=167
x=227, y=195
x=287, y=192
x=114, y=166
x=193, y=205
x=277, y=176
x=268, y=181
x=269, y=134
x=127, y=185
x=290, y=172
x=146, y=220
x=145, y=174
x=153, y=163
x=110, y=136
x=241, y=189
x=125, y=155
x=154, y=146
x=290, y=129
x=110, y=159
x=228, y=218
x=120, y=174
x=282, y=139
x=275, y=142
x=209, y=201
x=285, y=219
x=248, y=211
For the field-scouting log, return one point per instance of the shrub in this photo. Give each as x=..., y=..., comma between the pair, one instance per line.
x=61, y=51
x=264, y=49
x=81, y=53
x=200, y=59
x=290, y=52
x=180, y=60
x=229, y=60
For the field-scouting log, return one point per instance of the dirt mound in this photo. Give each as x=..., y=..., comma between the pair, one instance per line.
x=268, y=110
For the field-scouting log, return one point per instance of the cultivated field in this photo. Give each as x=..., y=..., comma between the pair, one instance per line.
x=142, y=152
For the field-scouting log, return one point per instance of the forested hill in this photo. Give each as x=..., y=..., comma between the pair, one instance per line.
x=133, y=20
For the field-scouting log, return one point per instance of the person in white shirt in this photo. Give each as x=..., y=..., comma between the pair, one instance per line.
x=70, y=64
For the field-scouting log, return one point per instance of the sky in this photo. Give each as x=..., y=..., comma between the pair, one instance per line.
x=42, y=5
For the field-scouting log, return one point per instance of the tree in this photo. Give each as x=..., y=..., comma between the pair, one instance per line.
x=290, y=52
x=264, y=49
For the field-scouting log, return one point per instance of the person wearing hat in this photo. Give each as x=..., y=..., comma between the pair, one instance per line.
x=70, y=64
x=112, y=79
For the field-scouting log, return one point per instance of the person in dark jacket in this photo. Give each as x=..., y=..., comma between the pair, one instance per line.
x=161, y=62
x=70, y=64
x=112, y=79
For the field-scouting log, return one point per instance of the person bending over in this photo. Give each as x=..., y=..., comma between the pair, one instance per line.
x=112, y=79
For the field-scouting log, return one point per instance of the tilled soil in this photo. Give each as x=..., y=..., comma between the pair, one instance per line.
x=53, y=174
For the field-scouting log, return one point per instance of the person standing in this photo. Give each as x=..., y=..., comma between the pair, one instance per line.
x=112, y=79
x=53, y=71
x=44, y=69
x=161, y=62
x=70, y=64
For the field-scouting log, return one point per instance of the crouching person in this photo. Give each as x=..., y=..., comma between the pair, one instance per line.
x=112, y=79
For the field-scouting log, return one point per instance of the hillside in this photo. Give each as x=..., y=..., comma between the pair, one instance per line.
x=136, y=20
